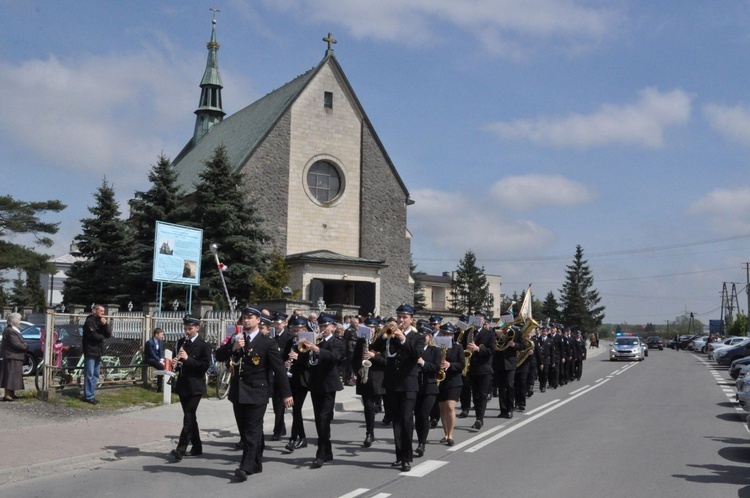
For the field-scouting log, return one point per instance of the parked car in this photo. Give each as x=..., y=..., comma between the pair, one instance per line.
x=22, y=327
x=626, y=348
x=655, y=342
x=736, y=367
x=743, y=396
x=714, y=347
x=699, y=344
x=742, y=379
x=726, y=356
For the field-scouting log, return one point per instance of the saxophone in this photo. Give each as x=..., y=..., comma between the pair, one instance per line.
x=440, y=376
x=467, y=352
x=366, y=364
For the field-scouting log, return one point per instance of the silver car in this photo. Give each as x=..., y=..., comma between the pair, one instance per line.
x=626, y=348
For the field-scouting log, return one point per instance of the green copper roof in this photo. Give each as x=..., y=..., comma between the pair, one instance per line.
x=212, y=76
x=240, y=133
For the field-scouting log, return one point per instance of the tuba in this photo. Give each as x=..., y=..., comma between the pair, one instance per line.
x=505, y=339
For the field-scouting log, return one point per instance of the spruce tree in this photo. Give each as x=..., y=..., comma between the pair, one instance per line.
x=267, y=286
x=159, y=203
x=550, y=308
x=470, y=290
x=228, y=218
x=578, y=298
x=106, y=246
x=420, y=302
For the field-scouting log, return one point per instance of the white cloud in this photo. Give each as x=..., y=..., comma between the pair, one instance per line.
x=732, y=122
x=107, y=115
x=526, y=192
x=449, y=223
x=728, y=209
x=496, y=23
x=642, y=123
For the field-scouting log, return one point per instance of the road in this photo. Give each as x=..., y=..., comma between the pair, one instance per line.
x=664, y=427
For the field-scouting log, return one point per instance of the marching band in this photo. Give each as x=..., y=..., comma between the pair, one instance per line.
x=417, y=371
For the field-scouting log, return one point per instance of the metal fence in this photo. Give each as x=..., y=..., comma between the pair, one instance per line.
x=123, y=360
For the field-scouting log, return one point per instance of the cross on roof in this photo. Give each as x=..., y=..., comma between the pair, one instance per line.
x=329, y=39
x=214, y=10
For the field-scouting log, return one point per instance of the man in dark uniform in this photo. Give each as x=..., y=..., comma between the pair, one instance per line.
x=325, y=356
x=402, y=350
x=570, y=340
x=370, y=388
x=193, y=358
x=580, y=354
x=429, y=365
x=282, y=337
x=557, y=357
x=254, y=356
x=545, y=359
x=435, y=323
x=480, y=367
x=504, y=366
x=299, y=376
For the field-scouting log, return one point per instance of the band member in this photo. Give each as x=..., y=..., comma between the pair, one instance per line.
x=450, y=387
x=545, y=358
x=392, y=324
x=435, y=322
x=323, y=361
x=254, y=356
x=480, y=367
x=282, y=337
x=570, y=350
x=504, y=365
x=462, y=338
x=533, y=369
x=580, y=354
x=522, y=371
x=557, y=359
x=429, y=366
x=402, y=347
x=299, y=377
x=369, y=379
x=192, y=359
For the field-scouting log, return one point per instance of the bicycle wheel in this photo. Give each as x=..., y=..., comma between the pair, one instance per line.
x=222, y=380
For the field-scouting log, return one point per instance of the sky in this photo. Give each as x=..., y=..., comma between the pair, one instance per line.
x=522, y=128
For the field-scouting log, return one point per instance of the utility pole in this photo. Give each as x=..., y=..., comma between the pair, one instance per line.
x=747, y=289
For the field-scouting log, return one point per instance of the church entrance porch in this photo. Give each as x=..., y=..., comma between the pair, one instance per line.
x=360, y=294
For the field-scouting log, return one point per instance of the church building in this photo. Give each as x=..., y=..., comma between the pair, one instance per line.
x=321, y=180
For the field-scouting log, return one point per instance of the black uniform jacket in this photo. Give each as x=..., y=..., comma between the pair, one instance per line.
x=253, y=365
x=191, y=380
x=401, y=361
x=376, y=373
x=432, y=357
x=454, y=356
x=481, y=361
x=546, y=350
x=324, y=376
x=507, y=359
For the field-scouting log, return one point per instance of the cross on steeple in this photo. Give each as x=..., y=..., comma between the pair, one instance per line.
x=214, y=10
x=329, y=39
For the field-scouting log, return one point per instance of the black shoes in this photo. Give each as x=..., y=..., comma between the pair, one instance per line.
x=542, y=389
x=477, y=425
x=405, y=467
x=510, y=414
x=503, y=414
x=420, y=450
x=92, y=401
x=520, y=408
x=369, y=439
x=529, y=394
x=240, y=474
x=433, y=423
x=194, y=453
x=397, y=463
x=386, y=421
x=449, y=442
x=300, y=443
x=239, y=445
x=316, y=464
x=276, y=437
x=463, y=414
x=177, y=455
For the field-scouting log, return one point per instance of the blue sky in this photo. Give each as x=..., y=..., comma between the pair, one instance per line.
x=521, y=127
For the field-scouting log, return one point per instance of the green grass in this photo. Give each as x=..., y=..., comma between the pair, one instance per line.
x=110, y=398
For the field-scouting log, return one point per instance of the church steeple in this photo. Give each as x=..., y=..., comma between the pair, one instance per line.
x=209, y=110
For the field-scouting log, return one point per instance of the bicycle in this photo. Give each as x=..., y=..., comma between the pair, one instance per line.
x=221, y=374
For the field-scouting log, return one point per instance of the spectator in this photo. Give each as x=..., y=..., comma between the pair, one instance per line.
x=95, y=330
x=155, y=355
x=13, y=351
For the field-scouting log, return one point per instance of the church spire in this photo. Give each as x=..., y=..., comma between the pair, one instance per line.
x=209, y=111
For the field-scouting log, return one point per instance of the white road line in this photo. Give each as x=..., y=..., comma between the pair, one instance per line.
x=598, y=380
x=579, y=389
x=382, y=495
x=356, y=492
x=529, y=420
x=475, y=438
x=532, y=412
x=424, y=468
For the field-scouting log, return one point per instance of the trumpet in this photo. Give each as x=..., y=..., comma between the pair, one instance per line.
x=387, y=332
x=304, y=347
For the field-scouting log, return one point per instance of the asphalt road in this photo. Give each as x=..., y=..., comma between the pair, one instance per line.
x=664, y=428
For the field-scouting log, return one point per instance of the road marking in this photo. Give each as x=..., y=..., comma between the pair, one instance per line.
x=356, y=492
x=532, y=412
x=475, y=438
x=382, y=495
x=529, y=420
x=598, y=380
x=424, y=468
x=579, y=389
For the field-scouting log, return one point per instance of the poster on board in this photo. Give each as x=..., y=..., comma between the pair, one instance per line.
x=177, y=254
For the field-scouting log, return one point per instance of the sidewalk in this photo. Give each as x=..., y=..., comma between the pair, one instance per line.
x=33, y=448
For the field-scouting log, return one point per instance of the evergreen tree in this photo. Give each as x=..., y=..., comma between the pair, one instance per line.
x=267, y=286
x=420, y=302
x=18, y=295
x=159, y=203
x=20, y=217
x=550, y=308
x=470, y=290
x=579, y=300
x=106, y=246
x=33, y=290
x=221, y=208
